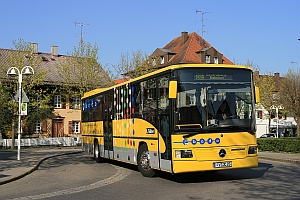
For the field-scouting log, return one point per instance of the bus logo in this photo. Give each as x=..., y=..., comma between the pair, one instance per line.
x=202, y=141
x=194, y=141
x=185, y=141
x=222, y=153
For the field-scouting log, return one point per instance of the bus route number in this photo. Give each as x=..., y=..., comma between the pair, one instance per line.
x=210, y=76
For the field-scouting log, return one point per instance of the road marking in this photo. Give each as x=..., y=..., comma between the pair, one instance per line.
x=121, y=174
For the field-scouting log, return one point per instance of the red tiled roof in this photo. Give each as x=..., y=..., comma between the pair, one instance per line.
x=186, y=52
x=122, y=80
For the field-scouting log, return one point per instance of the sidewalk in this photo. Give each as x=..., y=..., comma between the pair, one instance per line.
x=283, y=157
x=11, y=169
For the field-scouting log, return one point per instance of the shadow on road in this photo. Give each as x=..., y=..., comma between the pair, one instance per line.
x=225, y=175
x=196, y=177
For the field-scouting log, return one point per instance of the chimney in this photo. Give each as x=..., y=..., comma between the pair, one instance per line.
x=277, y=80
x=34, y=47
x=54, y=50
x=184, y=36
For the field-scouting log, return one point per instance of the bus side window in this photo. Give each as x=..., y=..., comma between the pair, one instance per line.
x=137, y=100
x=150, y=100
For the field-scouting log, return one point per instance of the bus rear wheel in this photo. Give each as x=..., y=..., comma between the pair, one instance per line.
x=144, y=162
x=97, y=152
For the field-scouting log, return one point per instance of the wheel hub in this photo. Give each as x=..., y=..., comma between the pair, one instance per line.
x=145, y=161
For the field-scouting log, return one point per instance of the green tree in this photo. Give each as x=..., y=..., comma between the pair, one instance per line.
x=6, y=112
x=81, y=72
x=268, y=97
x=136, y=64
x=33, y=85
x=290, y=94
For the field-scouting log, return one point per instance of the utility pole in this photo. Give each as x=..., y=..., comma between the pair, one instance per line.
x=203, y=13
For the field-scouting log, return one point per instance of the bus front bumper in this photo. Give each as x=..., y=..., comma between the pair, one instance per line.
x=182, y=166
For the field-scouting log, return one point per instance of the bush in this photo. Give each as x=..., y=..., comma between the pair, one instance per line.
x=291, y=145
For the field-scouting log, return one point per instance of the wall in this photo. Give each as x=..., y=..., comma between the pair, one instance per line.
x=69, y=115
x=62, y=141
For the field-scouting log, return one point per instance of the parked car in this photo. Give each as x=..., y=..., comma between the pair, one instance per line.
x=268, y=135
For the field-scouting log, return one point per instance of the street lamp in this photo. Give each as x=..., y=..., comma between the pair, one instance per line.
x=276, y=108
x=13, y=71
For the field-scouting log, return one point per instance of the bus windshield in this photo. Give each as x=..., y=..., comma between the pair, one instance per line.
x=209, y=101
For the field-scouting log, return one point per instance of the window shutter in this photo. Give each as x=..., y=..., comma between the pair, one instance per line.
x=44, y=126
x=63, y=101
x=79, y=128
x=260, y=114
x=70, y=127
x=71, y=105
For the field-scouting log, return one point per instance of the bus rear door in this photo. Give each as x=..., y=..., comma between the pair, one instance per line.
x=107, y=123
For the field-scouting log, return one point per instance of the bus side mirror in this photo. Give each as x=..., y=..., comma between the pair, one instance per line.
x=257, y=96
x=172, y=89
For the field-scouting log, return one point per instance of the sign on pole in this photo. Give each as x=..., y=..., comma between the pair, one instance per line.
x=24, y=98
x=23, y=109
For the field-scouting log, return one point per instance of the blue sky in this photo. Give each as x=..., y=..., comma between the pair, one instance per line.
x=263, y=32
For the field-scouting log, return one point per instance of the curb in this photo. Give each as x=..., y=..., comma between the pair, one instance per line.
x=281, y=159
x=35, y=167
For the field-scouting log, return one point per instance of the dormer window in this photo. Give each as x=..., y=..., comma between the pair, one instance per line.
x=216, y=61
x=162, y=59
x=207, y=59
x=153, y=62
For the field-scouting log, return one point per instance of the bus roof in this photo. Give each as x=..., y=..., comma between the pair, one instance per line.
x=178, y=66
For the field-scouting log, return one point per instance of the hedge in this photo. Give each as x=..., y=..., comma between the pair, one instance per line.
x=291, y=145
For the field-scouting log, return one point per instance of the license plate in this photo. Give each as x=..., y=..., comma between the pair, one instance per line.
x=222, y=164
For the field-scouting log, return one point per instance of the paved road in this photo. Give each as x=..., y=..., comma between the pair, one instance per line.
x=11, y=169
x=78, y=176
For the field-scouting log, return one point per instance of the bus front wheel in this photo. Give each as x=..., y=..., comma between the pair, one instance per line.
x=144, y=162
x=97, y=152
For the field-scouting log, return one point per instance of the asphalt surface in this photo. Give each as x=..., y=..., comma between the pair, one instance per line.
x=12, y=169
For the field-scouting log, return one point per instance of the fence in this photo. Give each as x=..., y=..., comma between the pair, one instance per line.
x=61, y=141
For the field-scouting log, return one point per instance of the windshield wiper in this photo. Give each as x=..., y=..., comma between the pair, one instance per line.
x=219, y=129
x=195, y=133
x=239, y=128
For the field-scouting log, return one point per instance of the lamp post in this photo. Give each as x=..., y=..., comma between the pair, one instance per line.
x=276, y=108
x=13, y=71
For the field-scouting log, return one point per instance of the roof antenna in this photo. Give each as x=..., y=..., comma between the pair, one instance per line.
x=81, y=25
x=203, y=13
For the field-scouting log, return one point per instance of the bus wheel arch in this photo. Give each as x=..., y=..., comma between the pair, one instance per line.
x=143, y=160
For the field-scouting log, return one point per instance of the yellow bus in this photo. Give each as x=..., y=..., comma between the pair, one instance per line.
x=170, y=120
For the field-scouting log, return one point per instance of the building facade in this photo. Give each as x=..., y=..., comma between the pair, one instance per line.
x=67, y=107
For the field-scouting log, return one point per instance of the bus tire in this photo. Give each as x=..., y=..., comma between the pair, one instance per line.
x=97, y=157
x=144, y=162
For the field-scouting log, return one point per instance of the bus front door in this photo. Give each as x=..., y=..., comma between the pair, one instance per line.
x=163, y=123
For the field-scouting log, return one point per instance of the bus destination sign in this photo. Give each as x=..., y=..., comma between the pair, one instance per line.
x=212, y=76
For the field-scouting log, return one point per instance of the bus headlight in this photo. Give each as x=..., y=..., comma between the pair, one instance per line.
x=183, y=154
x=252, y=150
